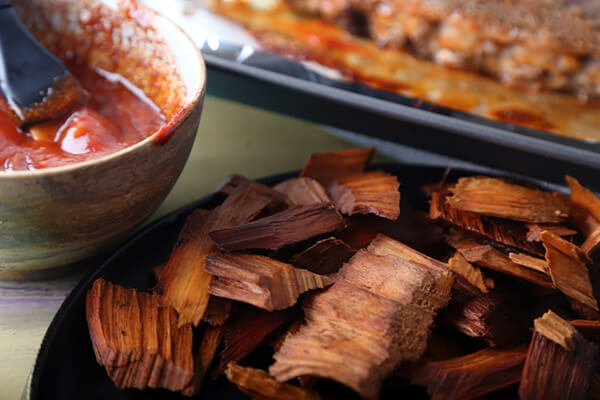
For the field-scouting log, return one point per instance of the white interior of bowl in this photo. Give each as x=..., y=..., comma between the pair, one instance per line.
x=189, y=65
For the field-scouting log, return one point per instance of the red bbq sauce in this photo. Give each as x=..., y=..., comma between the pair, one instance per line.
x=116, y=116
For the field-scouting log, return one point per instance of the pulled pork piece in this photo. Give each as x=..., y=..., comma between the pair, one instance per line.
x=471, y=376
x=589, y=329
x=139, y=343
x=534, y=263
x=377, y=314
x=183, y=283
x=501, y=317
x=385, y=246
x=283, y=229
x=508, y=233
x=259, y=385
x=536, y=229
x=587, y=225
x=560, y=362
x=250, y=328
x=328, y=166
x=592, y=243
x=246, y=202
x=324, y=257
x=367, y=193
x=498, y=198
x=303, y=191
x=583, y=197
x=582, y=220
x=205, y=353
x=492, y=258
x=236, y=181
x=567, y=265
x=471, y=273
x=261, y=281
x=586, y=207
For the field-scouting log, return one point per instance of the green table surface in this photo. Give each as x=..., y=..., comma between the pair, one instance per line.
x=232, y=138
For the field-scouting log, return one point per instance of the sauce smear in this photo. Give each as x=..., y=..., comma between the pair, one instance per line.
x=116, y=116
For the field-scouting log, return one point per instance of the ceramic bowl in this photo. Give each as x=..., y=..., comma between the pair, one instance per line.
x=54, y=219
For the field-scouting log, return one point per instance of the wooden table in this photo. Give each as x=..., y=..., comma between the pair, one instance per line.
x=232, y=139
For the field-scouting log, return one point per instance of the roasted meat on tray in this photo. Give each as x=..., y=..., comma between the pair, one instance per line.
x=546, y=44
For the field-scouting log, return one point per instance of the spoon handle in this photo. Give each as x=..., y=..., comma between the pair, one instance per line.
x=27, y=69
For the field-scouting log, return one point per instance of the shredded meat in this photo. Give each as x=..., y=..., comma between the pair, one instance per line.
x=545, y=44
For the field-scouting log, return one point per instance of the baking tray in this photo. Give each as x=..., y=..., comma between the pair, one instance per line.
x=242, y=72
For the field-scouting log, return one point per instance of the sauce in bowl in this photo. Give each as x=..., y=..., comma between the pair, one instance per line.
x=116, y=116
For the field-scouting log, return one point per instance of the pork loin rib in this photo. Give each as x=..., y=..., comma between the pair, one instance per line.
x=549, y=44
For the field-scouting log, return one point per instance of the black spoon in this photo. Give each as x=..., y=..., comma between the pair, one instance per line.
x=35, y=84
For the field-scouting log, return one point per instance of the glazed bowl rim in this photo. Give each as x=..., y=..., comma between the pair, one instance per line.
x=194, y=96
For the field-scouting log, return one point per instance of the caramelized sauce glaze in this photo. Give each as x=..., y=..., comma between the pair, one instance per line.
x=282, y=30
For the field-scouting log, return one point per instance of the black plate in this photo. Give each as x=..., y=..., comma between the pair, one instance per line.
x=278, y=84
x=66, y=368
